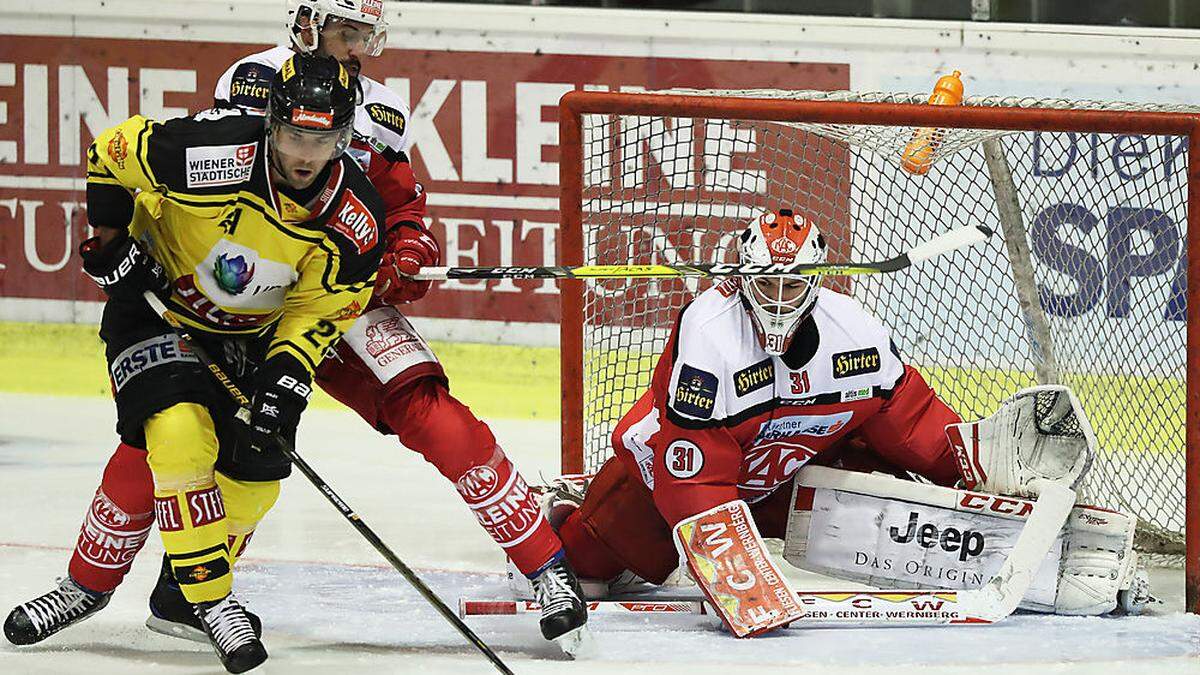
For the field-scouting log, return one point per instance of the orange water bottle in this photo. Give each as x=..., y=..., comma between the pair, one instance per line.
x=918, y=154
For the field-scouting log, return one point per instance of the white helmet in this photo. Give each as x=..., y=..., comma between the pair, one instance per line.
x=778, y=304
x=306, y=18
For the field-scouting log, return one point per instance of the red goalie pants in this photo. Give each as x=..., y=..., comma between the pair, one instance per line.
x=618, y=527
x=387, y=374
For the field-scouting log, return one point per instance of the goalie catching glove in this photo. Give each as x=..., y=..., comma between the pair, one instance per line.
x=1039, y=432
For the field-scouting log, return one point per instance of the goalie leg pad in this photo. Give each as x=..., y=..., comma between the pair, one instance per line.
x=1098, y=562
x=730, y=563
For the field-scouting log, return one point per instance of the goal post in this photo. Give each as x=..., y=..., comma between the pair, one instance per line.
x=1088, y=282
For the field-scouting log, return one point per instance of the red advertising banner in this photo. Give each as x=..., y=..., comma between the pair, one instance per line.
x=484, y=130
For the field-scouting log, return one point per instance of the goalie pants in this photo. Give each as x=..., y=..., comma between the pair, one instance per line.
x=388, y=375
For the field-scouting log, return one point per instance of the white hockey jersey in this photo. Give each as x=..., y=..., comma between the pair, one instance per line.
x=724, y=420
x=381, y=121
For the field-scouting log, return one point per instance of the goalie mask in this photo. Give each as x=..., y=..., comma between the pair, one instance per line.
x=778, y=304
x=307, y=18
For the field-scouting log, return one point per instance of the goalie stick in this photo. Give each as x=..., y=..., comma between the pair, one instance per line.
x=995, y=600
x=244, y=414
x=943, y=243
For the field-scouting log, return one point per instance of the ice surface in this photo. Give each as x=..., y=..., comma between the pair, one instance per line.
x=330, y=604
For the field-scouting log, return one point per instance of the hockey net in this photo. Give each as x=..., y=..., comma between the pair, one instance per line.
x=1083, y=284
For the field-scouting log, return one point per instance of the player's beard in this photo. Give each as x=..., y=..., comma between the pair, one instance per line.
x=352, y=65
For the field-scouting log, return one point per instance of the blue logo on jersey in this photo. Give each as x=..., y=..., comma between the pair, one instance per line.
x=696, y=392
x=233, y=274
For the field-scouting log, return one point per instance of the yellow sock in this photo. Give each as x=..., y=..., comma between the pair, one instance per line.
x=181, y=443
x=245, y=505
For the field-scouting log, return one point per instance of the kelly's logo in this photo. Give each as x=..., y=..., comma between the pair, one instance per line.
x=753, y=378
x=857, y=362
x=968, y=543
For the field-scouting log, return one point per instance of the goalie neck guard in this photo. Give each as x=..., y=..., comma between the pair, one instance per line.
x=778, y=304
x=306, y=19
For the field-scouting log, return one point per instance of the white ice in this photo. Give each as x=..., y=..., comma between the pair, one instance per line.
x=331, y=604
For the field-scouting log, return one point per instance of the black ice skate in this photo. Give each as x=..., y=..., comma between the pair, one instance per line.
x=171, y=614
x=564, y=613
x=44, y=616
x=229, y=631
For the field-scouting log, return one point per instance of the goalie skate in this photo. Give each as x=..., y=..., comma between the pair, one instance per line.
x=38, y=619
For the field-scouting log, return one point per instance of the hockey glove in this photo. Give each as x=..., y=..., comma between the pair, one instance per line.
x=281, y=390
x=409, y=248
x=123, y=269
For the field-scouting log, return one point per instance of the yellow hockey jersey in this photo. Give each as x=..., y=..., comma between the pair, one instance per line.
x=242, y=256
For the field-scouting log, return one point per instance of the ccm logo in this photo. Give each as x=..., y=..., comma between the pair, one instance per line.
x=1010, y=507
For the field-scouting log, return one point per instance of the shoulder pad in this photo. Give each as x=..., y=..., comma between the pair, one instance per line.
x=246, y=85
x=387, y=114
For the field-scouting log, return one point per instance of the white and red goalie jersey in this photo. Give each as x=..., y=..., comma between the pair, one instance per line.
x=725, y=420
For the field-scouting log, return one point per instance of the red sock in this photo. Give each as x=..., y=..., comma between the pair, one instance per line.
x=117, y=523
x=505, y=507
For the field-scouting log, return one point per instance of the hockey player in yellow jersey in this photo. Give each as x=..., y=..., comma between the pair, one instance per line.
x=265, y=239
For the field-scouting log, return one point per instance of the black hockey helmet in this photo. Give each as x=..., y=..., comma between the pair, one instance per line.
x=314, y=94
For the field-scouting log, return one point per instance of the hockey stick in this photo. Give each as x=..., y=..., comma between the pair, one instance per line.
x=943, y=243
x=997, y=599
x=513, y=607
x=288, y=449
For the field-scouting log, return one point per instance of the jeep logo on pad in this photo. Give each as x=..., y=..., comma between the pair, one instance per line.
x=968, y=543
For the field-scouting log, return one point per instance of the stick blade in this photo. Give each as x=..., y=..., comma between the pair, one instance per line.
x=950, y=241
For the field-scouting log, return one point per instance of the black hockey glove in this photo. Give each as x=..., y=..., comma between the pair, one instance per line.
x=123, y=269
x=281, y=390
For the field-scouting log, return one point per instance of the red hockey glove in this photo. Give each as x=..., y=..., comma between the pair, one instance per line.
x=408, y=250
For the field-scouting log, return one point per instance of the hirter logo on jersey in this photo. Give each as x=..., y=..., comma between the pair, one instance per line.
x=857, y=362
x=386, y=117
x=696, y=393
x=754, y=377
x=355, y=222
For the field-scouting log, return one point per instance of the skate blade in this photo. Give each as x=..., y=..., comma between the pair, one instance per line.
x=175, y=630
x=578, y=643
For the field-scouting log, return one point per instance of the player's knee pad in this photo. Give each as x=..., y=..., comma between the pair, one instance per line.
x=428, y=419
x=246, y=502
x=181, y=443
x=127, y=481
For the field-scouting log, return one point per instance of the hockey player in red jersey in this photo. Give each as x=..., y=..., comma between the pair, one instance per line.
x=761, y=376
x=381, y=368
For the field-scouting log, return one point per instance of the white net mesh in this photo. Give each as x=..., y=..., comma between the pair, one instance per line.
x=1101, y=219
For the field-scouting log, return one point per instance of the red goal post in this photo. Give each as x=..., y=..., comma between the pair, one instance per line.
x=621, y=152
